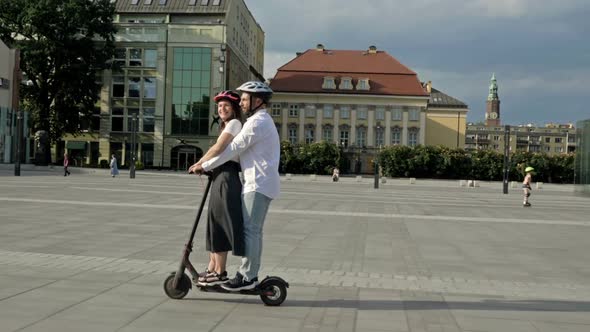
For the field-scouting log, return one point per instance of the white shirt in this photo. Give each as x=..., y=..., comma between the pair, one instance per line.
x=259, y=149
x=233, y=128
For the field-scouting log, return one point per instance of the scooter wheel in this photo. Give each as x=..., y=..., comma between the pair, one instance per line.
x=273, y=293
x=184, y=285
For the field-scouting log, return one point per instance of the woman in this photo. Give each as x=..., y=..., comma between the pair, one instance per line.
x=224, y=222
x=114, y=168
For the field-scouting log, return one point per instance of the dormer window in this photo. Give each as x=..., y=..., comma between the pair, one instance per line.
x=363, y=84
x=329, y=83
x=346, y=83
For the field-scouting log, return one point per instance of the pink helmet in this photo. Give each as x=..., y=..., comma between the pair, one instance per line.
x=228, y=95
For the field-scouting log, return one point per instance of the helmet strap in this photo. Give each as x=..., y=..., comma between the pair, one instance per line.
x=253, y=111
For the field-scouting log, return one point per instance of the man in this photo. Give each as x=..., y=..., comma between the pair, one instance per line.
x=258, y=147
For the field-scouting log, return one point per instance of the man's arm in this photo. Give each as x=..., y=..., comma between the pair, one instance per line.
x=240, y=143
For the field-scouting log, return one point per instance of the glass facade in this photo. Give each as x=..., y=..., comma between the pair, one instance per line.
x=191, y=91
x=582, y=165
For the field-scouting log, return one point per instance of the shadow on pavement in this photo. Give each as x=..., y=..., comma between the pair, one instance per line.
x=491, y=305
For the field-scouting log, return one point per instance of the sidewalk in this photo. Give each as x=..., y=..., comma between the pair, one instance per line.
x=90, y=253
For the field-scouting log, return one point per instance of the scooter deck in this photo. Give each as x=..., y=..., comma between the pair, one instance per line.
x=219, y=289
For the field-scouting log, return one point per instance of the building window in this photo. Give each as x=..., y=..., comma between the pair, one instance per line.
x=147, y=154
x=133, y=87
x=344, y=135
x=293, y=110
x=148, y=120
x=396, y=136
x=327, y=133
x=309, y=135
x=309, y=112
x=216, y=2
x=413, y=136
x=379, y=137
x=118, y=87
x=361, y=136
x=344, y=112
x=192, y=2
x=191, y=86
x=558, y=149
x=204, y=2
x=396, y=114
x=346, y=83
x=276, y=109
x=149, y=88
x=328, y=111
x=380, y=114
x=361, y=114
x=163, y=2
x=558, y=139
x=414, y=115
x=151, y=58
x=134, y=2
x=293, y=135
x=496, y=138
x=135, y=57
x=147, y=2
x=363, y=84
x=117, y=119
x=329, y=83
x=547, y=139
x=547, y=149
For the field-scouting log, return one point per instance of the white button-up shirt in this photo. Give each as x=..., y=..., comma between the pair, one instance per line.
x=259, y=149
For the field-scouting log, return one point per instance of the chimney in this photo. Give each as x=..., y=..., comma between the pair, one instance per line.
x=429, y=86
x=372, y=49
x=319, y=47
x=298, y=53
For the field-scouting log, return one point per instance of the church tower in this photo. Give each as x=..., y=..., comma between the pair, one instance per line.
x=493, y=105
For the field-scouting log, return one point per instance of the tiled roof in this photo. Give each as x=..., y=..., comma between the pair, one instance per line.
x=440, y=99
x=387, y=76
x=170, y=6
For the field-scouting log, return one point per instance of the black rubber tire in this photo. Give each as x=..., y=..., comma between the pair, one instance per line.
x=279, y=290
x=184, y=285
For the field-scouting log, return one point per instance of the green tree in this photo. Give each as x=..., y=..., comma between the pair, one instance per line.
x=64, y=45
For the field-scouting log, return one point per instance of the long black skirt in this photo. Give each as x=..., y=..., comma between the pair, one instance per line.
x=225, y=224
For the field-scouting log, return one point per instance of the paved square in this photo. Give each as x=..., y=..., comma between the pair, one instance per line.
x=90, y=253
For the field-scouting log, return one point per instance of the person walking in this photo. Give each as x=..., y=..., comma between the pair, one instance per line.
x=526, y=185
x=114, y=167
x=225, y=225
x=66, y=164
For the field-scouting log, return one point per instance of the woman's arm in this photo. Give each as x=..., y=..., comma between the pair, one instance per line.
x=218, y=147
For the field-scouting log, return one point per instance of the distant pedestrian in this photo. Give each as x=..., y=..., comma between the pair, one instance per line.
x=335, y=174
x=114, y=168
x=66, y=164
x=526, y=185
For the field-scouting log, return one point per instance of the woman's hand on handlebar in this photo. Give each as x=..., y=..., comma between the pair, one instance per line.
x=196, y=169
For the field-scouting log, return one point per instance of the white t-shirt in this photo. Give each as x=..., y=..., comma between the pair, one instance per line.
x=233, y=128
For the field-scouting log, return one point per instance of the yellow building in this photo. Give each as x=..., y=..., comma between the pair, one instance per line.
x=362, y=100
x=175, y=56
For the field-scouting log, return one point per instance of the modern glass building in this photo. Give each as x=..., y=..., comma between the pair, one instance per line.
x=173, y=55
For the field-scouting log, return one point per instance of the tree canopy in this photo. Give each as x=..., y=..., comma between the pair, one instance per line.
x=65, y=45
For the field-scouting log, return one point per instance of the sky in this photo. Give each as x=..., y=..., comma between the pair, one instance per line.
x=539, y=50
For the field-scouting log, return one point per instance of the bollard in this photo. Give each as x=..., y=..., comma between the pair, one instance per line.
x=513, y=184
x=383, y=179
x=462, y=183
x=476, y=183
x=412, y=180
x=289, y=175
x=539, y=185
x=313, y=177
x=359, y=178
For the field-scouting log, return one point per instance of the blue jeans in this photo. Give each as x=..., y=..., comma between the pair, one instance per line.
x=254, y=208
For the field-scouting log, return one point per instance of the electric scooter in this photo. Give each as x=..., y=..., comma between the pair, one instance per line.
x=272, y=290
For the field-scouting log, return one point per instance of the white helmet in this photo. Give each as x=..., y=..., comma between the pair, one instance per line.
x=256, y=87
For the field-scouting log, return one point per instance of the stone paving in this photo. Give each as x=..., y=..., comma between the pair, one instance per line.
x=90, y=253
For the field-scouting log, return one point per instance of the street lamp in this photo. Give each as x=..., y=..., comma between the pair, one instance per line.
x=19, y=134
x=375, y=162
x=506, y=158
x=133, y=146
